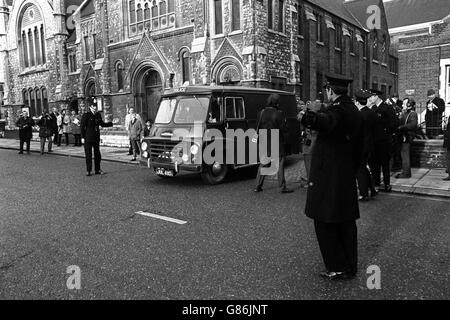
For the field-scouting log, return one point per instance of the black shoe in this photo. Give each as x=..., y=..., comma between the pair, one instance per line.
x=100, y=172
x=373, y=193
x=130, y=154
x=401, y=176
x=286, y=190
x=28, y=152
x=363, y=198
x=134, y=159
x=88, y=174
x=333, y=275
x=20, y=152
x=258, y=189
x=387, y=188
x=447, y=179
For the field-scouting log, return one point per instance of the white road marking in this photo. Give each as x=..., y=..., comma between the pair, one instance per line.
x=157, y=216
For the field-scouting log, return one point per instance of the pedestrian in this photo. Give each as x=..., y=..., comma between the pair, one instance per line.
x=332, y=199
x=396, y=160
x=309, y=138
x=60, y=119
x=369, y=120
x=148, y=127
x=45, y=131
x=272, y=120
x=386, y=125
x=75, y=128
x=25, y=124
x=447, y=146
x=90, y=134
x=66, y=126
x=433, y=115
x=54, y=115
x=127, y=122
x=134, y=133
x=407, y=130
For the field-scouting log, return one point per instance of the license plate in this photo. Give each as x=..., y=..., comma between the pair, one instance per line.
x=164, y=172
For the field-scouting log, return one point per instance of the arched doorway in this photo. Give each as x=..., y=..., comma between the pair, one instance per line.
x=148, y=89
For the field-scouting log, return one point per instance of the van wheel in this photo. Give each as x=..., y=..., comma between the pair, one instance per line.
x=215, y=173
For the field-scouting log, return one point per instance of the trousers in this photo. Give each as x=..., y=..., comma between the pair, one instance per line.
x=338, y=244
x=406, y=159
x=88, y=146
x=21, y=145
x=50, y=143
x=380, y=162
x=280, y=173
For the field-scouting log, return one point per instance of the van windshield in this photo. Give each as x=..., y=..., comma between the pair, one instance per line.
x=165, y=111
x=191, y=109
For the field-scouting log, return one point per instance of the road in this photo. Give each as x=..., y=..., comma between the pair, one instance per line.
x=235, y=244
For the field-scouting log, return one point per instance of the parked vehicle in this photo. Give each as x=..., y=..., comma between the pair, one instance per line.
x=189, y=120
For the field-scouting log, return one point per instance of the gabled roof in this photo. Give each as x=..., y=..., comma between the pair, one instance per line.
x=337, y=8
x=401, y=13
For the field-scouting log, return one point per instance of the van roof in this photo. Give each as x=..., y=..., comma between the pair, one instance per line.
x=213, y=89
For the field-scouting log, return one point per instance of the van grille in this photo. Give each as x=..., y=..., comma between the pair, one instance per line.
x=161, y=148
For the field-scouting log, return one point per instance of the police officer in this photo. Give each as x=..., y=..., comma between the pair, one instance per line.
x=90, y=134
x=369, y=121
x=332, y=199
x=386, y=125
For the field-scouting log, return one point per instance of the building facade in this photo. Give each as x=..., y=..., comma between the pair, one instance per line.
x=126, y=52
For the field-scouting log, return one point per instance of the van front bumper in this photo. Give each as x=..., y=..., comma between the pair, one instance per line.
x=172, y=166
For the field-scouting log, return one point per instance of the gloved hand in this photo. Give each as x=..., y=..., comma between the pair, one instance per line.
x=309, y=119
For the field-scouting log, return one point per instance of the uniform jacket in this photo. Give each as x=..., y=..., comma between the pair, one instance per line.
x=387, y=123
x=408, y=124
x=135, y=129
x=370, y=119
x=90, y=126
x=433, y=118
x=332, y=194
x=25, y=128
x=271, y=118
x=54, y=123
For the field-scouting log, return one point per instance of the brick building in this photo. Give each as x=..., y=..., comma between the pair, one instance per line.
x=420, y=31
x=126, y=52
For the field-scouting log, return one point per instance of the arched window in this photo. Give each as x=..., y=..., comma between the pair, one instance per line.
x=185, y=58
x=44, y=98
x=153, y=14
x=119, y=71
x=32, y=37
x=32, y=102
x=25, y=98
x=235, y=15
x=37, y=92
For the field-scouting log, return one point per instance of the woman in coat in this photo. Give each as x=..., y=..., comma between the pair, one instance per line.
x=75, y=122
x=66, y=126
x=45, y=131
x=135, y=131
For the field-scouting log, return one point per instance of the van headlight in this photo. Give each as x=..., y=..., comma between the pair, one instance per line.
x=144, y=146
x=194, y=149
x=145, y=154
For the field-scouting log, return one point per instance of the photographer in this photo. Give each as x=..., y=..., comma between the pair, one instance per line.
x=25, y=124
x=407, y=130
x=45, y=131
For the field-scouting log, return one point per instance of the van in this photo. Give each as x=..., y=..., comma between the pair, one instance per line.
x=191, y=119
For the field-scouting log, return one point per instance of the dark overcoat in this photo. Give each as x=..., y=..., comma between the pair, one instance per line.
x=387, y=123
x=45, y=126
x=90, y=126
x=25, y=128
x=332, y=194
x=369, y=118
x=270, y=119
x=433, y=118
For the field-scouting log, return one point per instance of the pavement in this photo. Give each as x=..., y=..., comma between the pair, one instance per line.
x=424, y=181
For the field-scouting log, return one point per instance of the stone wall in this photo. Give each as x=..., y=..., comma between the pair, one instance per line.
x=428, y=154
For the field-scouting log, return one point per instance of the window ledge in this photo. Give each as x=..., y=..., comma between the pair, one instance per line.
x=277, y=32
x=375, y=61
x=320, y=43
x=217, y=36
x=352, y=54
x=28, y=71
x=365, y=58
x=338, y=49
x=300, y=36
x=75, y=73
x=384, y=65
x=235, y=32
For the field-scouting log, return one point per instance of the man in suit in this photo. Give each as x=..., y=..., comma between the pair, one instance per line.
x=407, y=130
x=386, y=125
x=370, y=119
x=332, y=199
x=270, y=119
x=25, y=124
x=433, y=116
x=90, y=134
